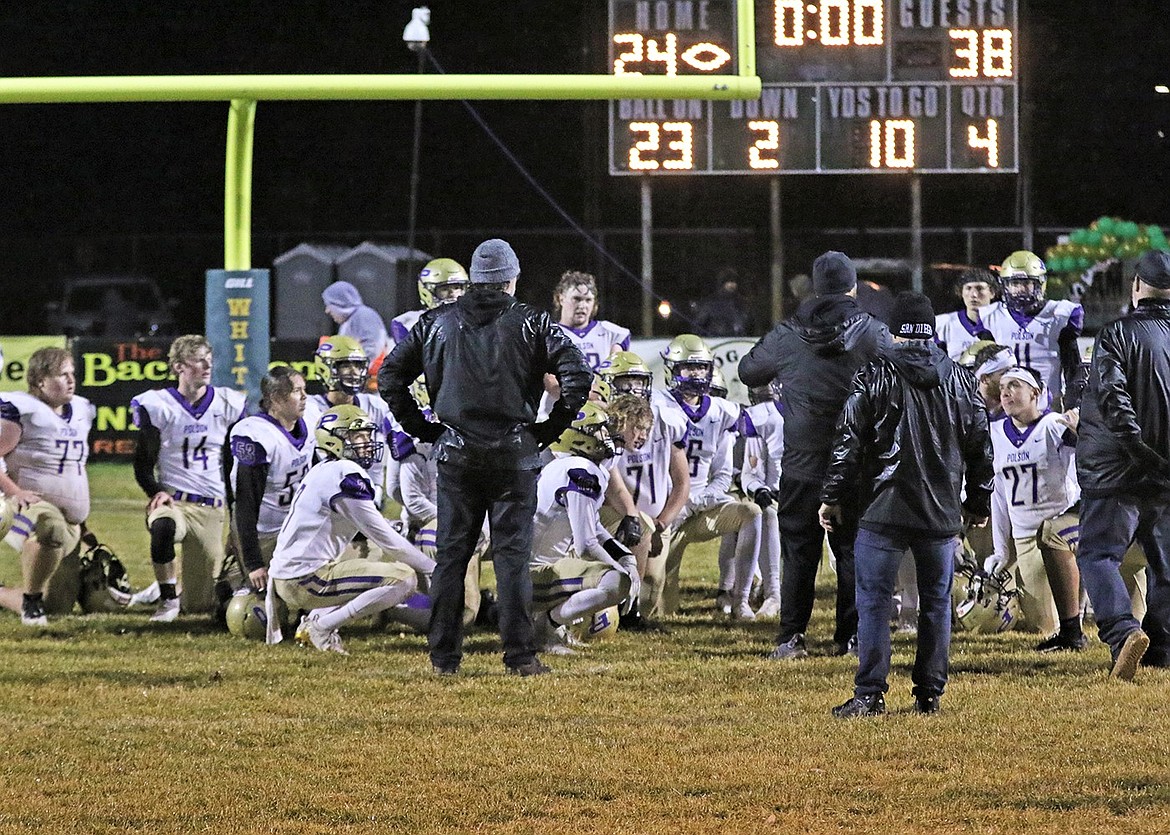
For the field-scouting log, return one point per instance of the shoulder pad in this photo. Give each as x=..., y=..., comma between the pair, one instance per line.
x=580, y=481
x=8, y=411
x=357, y=486
x=248, y=451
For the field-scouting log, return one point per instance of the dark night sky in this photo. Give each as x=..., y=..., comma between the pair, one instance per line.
x=99, y=173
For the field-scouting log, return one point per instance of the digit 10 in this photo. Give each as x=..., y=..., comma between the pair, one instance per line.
x=891, y=143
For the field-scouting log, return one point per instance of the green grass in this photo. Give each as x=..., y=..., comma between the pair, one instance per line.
x=114, y=726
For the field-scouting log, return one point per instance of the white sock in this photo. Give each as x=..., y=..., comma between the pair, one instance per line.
x=747, y=552
x=727, y=564
x=585, y=603
x=369, y=602
x=770, y=553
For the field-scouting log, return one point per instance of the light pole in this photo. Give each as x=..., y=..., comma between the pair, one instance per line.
x=416, y=35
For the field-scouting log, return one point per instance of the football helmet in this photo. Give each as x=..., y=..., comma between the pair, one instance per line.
x=1022, y=279
x=602, y=626
x=439, y=274
x=628, y=374
x=588, y=435
x=335, y=433
x=342, y=364
x=246, y=617
x=718, y=384
x=689, y=365
x=601, y=391
x=104, y=586
x=984, y=603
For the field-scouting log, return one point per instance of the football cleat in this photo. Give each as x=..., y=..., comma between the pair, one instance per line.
x=32, y=612
x=167, y=612
x=310, y=634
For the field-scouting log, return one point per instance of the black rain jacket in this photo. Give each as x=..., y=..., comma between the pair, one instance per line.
x=1123, y=442
x=912, y=426
x=485, y=357
x=814, y=354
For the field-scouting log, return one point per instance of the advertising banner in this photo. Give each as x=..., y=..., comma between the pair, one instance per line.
x=110, y=373
x=237, y=328
x=16, y=351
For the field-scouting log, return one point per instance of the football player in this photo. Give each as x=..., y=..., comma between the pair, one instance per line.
x=762, y=426
x=957, y=331
x=334, y=503
x=1041, y=333
x=179, y=464
x=1035, y=505
x=441, y=281
x=271, y=454
x=710, y=512
x=577, y=567
x=44, y=438
x=342, y=367
x=651, y=464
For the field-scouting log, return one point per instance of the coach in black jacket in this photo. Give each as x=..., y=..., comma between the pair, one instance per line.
x=814, y=354
x=1123, y=465
x=914, y=423
x=485, y=357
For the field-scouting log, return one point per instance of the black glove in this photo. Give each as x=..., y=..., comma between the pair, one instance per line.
x=763, y=497
x=430, y=433
x=629, y=531
x=546, y=432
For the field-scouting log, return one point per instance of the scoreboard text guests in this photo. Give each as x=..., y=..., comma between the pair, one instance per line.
x=850, y=86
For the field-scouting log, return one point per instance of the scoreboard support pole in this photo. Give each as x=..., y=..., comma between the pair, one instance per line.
x=916, y=232
x=777, y=267
x=647, y=260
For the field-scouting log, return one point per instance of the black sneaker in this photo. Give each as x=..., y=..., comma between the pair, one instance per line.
x=872, y=705
x=532, y=668
x=32, y=611
x=1063, y=643
x=790, y=649
x=634, y=622
x=926, y=704
x=441, y=670
x=847, y=648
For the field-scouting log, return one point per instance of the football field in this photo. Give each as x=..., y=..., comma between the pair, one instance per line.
x=111, y=725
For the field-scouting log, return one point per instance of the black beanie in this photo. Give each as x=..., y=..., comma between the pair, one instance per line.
x=912, y=316
x=1153, y=268
x=833, y=272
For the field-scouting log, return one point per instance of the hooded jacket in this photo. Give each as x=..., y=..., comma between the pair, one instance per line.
x=814, y=355
x=1123, y=442
x=912, y=427
x=362, y=322
x=485, y=357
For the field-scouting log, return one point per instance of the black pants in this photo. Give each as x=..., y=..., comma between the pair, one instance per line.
x=801, y=545
x=508, y=498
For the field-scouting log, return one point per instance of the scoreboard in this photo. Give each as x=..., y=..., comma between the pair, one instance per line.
x=849, y=87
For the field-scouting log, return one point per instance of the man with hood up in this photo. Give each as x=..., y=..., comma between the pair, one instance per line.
x=354, y=318
x=814, y=355
x=484, y=358
x=914, y=424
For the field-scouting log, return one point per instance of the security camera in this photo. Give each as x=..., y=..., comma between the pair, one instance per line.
x=417, y=34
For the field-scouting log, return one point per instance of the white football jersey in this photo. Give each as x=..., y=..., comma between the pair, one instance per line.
x=646, y=471
x=191, y=436
x=598, y=339
x=379, y=412
x=569, y=495
x=261, y=440
x=1035, y=339
x=418, y=480
x=401, y=325
x=956, y=332
x=1035, y=475
x=762, y=427
x=321, y=523
x=50, y=457
x=708, y=424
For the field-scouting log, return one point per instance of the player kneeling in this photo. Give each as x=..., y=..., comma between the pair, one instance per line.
x=334, y=502
x=577, y=568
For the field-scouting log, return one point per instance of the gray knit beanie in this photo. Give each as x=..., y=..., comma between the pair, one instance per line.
x=494, y=262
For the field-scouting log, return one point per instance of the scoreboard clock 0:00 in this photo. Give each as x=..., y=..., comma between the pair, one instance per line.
x=850, y=86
